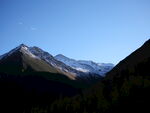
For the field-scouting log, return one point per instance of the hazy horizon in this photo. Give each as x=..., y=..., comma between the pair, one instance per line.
x=101, y=31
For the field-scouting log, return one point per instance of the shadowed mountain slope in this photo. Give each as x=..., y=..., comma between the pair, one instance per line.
x=126, y=88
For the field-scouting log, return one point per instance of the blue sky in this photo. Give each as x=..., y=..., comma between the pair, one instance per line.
x=98, y=30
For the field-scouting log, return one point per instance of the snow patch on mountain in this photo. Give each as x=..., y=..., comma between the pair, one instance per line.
x=86, y=66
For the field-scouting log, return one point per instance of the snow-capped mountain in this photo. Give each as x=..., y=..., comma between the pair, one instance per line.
x=22, y=48
x=45, y=57
x=61, y=64
x=86, y=66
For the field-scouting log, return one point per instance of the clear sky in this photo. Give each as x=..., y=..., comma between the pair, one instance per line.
x=98, y=30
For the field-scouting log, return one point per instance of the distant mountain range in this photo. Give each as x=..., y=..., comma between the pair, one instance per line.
x=39, y=60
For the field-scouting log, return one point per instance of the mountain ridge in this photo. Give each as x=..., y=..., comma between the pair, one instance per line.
x=85, y=67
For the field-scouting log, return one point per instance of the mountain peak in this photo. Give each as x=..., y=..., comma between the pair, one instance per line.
x=20, y=47
x=60, y=55
x=22, y=44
